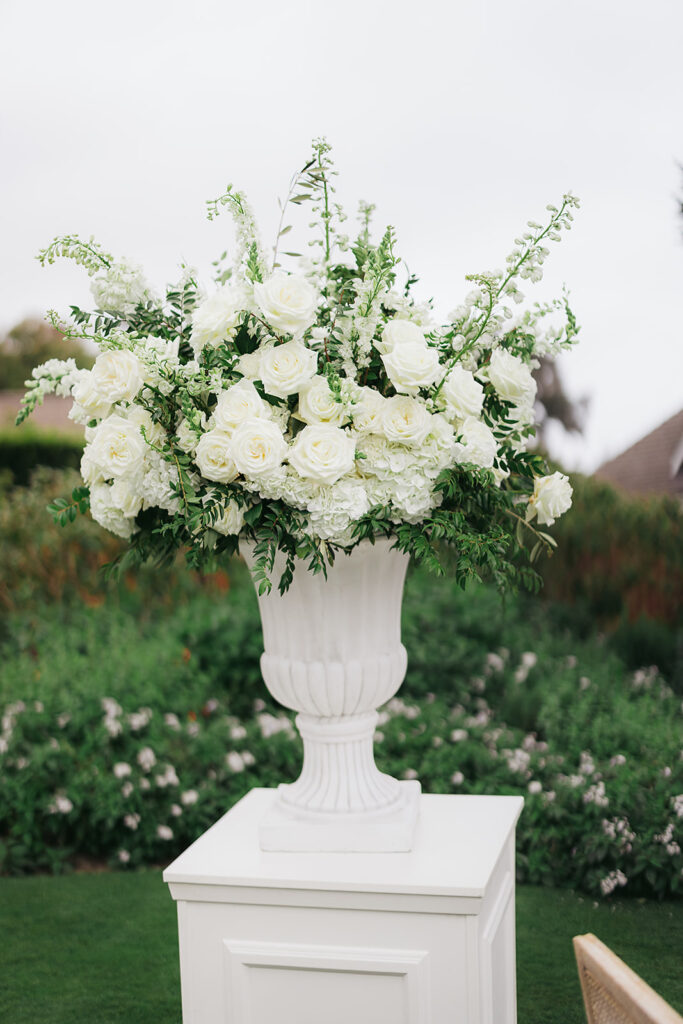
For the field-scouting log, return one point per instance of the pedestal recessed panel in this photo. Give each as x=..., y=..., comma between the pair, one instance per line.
x=296, y=984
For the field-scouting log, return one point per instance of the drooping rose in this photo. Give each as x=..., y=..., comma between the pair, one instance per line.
x=551, y=498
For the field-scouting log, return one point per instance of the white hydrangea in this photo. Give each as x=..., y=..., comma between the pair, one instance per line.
x=159, y=484
x=333, y=510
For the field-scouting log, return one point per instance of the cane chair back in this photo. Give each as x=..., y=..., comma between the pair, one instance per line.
x=612, y=992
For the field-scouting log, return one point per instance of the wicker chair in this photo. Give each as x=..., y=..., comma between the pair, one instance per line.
x=612, y=992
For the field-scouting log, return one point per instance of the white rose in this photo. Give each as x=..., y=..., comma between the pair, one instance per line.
x=478, y=445
x=287, y=301
x=551, y=498
x=463, y=394
x=317, y=403
x=286, y=368
x=411, y=366
x=117, y=448
x=398, y=332
x=230, y=521
x=511, y=377
x=154, y=432
x=323, y=453
x=258, y=447
x=367, y=413
x=105, y=512
x=215, y=319
x=214, y=457
x=405, y=421
x=239, y=403
x=250, y=364
x=126, y=497
x=118, y=375
x=89, y=403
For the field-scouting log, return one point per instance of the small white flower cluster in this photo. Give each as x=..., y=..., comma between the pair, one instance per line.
x=596, y=794
x=666, y=838
x=620, y=832
x=610, y=882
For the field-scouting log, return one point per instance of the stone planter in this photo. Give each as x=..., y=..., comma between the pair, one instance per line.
x=333, y=652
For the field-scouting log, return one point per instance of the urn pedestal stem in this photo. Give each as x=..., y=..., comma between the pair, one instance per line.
x=333, y=653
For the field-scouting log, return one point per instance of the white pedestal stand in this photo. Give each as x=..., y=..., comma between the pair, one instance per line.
x=426, y=937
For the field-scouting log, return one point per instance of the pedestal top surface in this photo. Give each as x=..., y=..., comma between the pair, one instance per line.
x=457, y=845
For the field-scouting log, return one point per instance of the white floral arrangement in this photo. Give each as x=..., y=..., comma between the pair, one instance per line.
x=309, y=409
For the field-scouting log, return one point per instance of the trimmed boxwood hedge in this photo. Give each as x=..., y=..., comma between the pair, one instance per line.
x=21, y=451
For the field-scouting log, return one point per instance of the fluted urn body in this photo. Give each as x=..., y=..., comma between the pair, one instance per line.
x=333, y=653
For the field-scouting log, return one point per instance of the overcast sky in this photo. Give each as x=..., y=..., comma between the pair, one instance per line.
x=461, y=120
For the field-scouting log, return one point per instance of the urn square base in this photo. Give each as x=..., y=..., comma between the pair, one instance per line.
x=425, y=937
x=288, y=830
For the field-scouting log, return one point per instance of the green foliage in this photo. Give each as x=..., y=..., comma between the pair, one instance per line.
x=619, y=562
x=496, y=698
x=21, y=452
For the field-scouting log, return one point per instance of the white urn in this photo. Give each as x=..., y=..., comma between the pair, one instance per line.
x=333, y=653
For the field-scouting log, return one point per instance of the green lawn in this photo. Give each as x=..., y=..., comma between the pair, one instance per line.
x=102, y=949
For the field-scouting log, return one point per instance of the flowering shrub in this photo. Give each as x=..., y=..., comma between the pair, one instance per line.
x=128, y=759
x=309, y=410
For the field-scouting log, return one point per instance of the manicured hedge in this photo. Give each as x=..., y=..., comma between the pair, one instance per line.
x=22, y=451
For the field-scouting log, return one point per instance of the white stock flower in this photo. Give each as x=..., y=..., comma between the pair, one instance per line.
x=216, y=318
x=214, y=457
x=117, y=375
x=463, y=394
x=511, y=378
x=258, y=448
x=117, y=448
x=551, y=498
x=411, y=365
x=238, y=403
x=287, y=301
x=405, y=421
x=478, y=445
x=323, y=453
x=120, y=288
x=317, y=403
x=284, y=369
x=187, y=437
x=398, y=332
x=230, y=521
